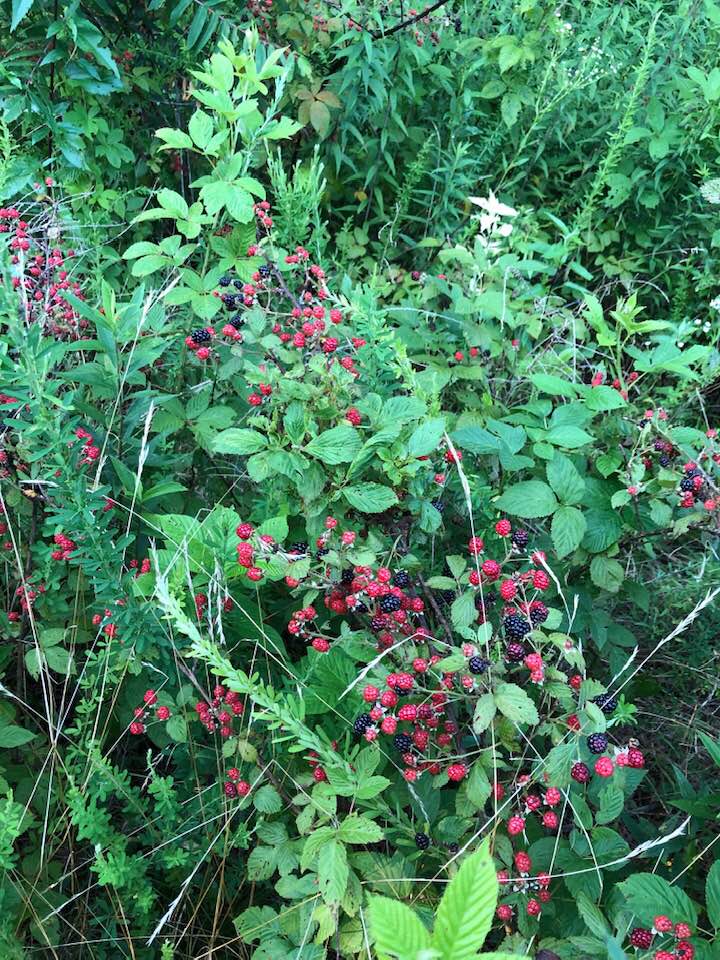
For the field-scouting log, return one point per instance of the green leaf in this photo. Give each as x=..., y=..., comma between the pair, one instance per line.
x=267, y=799
x=564, y=477
x=554, y=386
x=567, y=530
x=463, y=612
x=397, y=931
x=568, y=436
x=712, y=894
x=200, y=128
x=484, y=713
x=594, y=920
x=607, y=573
x=176, y=728
x=648, y=895
x=333, y=871
x=612, y=801
x=20, y=8
x=12, y=736
x=240, y=442
x=466, y=910
x=515, y=704
x=426, y=438
x=338, y=445
x=603, y=398
x=370, y=497
x=530, y=498
x=357, y=829
x=712, y=747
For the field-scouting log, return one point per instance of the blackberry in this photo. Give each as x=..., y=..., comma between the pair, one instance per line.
x=224, y=281
x=516, y=626
x=239, y=284
x=453, y=847
x=230, y=302
x=546, y=955
x=659, y=445
x=390, y=603
x=422, y=841
x=347, y=575
x=664, y=460
x=606, y=701
x=363, y=723
x=687, y=484
x=402, y=579
x=515, y=652
x=378, y=623
x=580, y=772
x=299, y=547
x=520, y=538
x=236, y=321
x=446, y=596
x=402, y=742
x=478, y=665
x=322, y=552
x=597, y=742
x=200, y=336
x=265, y=270
x=538, y=613
x=485, y=602
x=361, y=607
x=438, y=504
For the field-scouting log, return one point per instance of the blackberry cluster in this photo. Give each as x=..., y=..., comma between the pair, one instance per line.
x=200, y=336
x=402, y=579
x=597, y=742
x=422, y=841
x=606, y=701
x=363, y=723
x=390, y=603
x=516, y=626
x=402, y=742
x=520, y=538
x=478, y=665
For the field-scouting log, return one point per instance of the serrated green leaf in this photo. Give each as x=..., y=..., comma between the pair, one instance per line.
x=466, y=910
x=515, y=704
x=567, y=530
x=333, y=871
x=337, y=445
x=370, y=497
x=530, y=498
x=397, y=931
x=238, y=441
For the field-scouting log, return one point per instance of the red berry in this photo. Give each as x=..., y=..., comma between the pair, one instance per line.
x=523, y=862
x=504, y=912
x=515, y=825
x=637, y=760
x=456, y=772
x=641, y=938
x=533, y=908
x=604, y=767
x=163, y=713
x=663, y=924
x=319, y=774
x=243, y=788
x=244, y=530
x=550, y=820
x=370, y=694
x=580, y=772
x=682, y=931
x=320, y=644
x=254, y=573
x=137, y=728
x=475, y=545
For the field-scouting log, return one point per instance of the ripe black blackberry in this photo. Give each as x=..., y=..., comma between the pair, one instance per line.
x=237, y=321
x=446, y=596
x=687, y=484
x=401, y=579
x=422, y=841
x=361, y=607
x=520, y=538
x=265, y=270
x=200, y=336
x=347, y=575
x=597, y=742
x=239, y=283
x=322, y=552
x=486, y=601
x=390, y=603
x=363, y=723
x=299, y=547
x=664, y=460
x=438, y=504
x=538, y=613
x=515, y=652
x=224, y=281
x=516, y=626
x=606, y=701
x=378, y=623
x=230, y=302
x=402, y=742
x=478, y=665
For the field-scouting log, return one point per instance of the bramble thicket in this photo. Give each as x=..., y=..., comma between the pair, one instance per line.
x=359, y=480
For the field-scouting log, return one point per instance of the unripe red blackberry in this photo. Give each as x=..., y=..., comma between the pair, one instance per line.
x=515, y=652
x=580, y=772
x=642, y=938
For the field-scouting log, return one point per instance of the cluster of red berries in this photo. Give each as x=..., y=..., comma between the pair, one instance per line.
x=43, y=280
x=64, y=547
x=142, y=713
x=90, y=452
x=220, y=711
x=598, y=379
x=140, y=566
x=536, y=888
x=234, y=786
x=109, y=628
x=642, y=939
